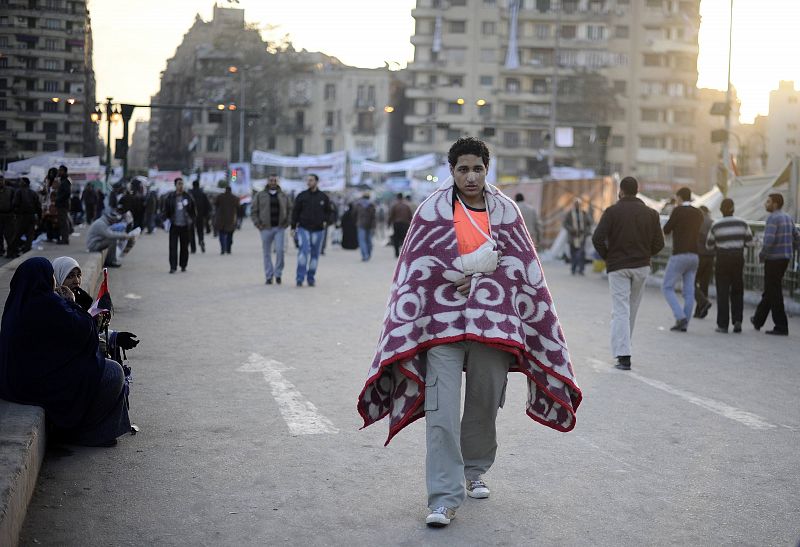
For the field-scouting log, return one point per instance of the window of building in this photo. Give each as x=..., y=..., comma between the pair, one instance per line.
x=617, y=141
x=513, y=85
x=651, y=142
x=457, y=3
x=298, y=146
x=2, y=125
x=539, y=85
x=50, y=127
x=621, y=31
x=791, y=126
x=508, y=165
x=457, y=27
x=366, y=122
x=487, y=81
x=51, y=85
x=651, y=115
x=423, y=27
x=328, y=146
x=791, y=142
x=488, y=55
x=542, y=32
x=543, y=5
x=676, y=89
x=511, y=111
x=456, y=55
x=54, y=4
x=3, y=83
x=51, y=64
x=485, y=111
x=270, y=143
x=299, y=118
x=488, y=28
x=569, y=6
x=52, y=23
x=329, y=118
x=3, y=105
x=682, y=144
x=620, y=87
x=684, y=117
x=454, y=108
x=595, y=32
x=215, y=143
x=50, y=106
x=453, y=135
x=653, y=59
x=431, y=108
x=682, y=172
x=455, y=81
x=215, y=117
x=511, y=139
x=50, y=44
x=568, y=32
x=30, y=126
x=329, y=92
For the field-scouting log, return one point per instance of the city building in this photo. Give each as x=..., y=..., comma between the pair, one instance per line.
x=47, y=85
x=137, y=150
x=227, y=92
x=710, y=169
x=783, y=126
x=546, y=81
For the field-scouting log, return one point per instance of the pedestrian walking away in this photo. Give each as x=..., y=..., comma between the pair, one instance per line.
x=62, y=206
x=627, y=236
x=705, y=267
x=270, y=212
x=225, y=219
x=7, y=221
x=311, y=211
x=684, y=223
x=202, y=208
x=727, y=238
x=179, y=213
x=468, y=294
x=531, y=218
x=399, y=219
x=578, y=225
x=28, y=214
x=89, y=199
x=365, y=223
x=781, y=237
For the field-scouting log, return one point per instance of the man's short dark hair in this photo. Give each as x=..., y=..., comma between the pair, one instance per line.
x=726, y=207
x=465, y=146
x=272, y=174
x=316, y=177
x=684, y=193
x=777, y=199
x=400, y=196
x=519, y=197
x=196, y=184
x=64, y=167
x=25, y=181
x=629, y=186
x=177, y=180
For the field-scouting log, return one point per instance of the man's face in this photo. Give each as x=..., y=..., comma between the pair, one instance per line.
x=272, y=183
x=62, y=173
x=769, y=205
x=311, y=182
x=179, y=186
x=469, y=175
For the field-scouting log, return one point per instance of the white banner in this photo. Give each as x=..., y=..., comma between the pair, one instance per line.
x=418, y=163
x=267, y=158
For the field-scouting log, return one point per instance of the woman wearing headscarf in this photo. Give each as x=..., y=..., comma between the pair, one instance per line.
x=83, y=394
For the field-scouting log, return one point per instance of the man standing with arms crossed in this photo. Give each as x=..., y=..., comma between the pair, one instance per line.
x=684, y=223
x=780, y=237
x=270, y=213
x=312, y=208
x=628, y=234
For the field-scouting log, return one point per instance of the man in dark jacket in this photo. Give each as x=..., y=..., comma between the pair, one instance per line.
x=7, y=234
x=179, y=211
x=28, y=213
x=227, y=212
x=89, y=199
x=578, y=225
x=684, y=223
x=312, y=208
x=705, y=267
x=628, y=234
x=399, y=220
x=62, y=206
x=270, y=213
x=202, y=211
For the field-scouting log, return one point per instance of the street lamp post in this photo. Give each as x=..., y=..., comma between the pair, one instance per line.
x=109, y=108
x=726, y=147
x=242, y=93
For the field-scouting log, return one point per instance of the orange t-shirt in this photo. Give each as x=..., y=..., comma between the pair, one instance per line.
x=469, y=238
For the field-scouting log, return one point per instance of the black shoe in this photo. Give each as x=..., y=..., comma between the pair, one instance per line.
x=299, y=284
x=114, y=265
x=721, y=330
x=203, y=246
x=311, y=283
x=623, y=362
x=680, y=325
x=753, y=321
x=777, y=332
x=704, y=310
x=172, y=270
x=737, y=327
x=183, y=269
x=269, y=281
x=278, y=280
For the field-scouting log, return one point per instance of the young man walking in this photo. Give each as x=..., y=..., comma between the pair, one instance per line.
x=684, y=223
x=365, y=224
x=179, y=211
x=780, y=238
x=578, y=225
x=705, y=267
x=727, y=238
x=628, y=234
x=399, y=220
x=311, y=211
x=202, y=207
x=63, y=195
x=270, y=212
x=468, y=296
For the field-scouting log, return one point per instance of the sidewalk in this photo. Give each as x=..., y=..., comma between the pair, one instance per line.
x=22, y=432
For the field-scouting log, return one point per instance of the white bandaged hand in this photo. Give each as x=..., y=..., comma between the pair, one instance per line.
x=482, y=260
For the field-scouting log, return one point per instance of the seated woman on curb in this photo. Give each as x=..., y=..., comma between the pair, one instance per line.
x=82, y=393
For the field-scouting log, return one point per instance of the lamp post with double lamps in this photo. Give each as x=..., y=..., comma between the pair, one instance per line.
x=241, y=71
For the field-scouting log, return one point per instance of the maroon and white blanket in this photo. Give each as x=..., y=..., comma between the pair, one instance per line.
x=510, y=309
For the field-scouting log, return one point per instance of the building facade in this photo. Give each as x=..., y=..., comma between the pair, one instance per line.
x=47, y=84
x=137, y=150
x=295, y=102
x=783, y=126
x=544, y=82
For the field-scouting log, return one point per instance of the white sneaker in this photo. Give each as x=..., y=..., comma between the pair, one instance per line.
x=441, y=516
x=477, y=489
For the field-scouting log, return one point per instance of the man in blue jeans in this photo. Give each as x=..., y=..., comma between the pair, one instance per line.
x=311, y=211
x=270, y=212
x=365, y=222
x=684, y=225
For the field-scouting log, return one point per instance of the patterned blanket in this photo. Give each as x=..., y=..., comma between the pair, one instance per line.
x=510, y=309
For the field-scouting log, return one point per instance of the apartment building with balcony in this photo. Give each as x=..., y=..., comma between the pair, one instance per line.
x=47, y=85
x=783, y=126
x=490, y=68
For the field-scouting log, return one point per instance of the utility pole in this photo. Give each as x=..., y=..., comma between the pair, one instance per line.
x=726, y=146
x=109, y=108
x=242, y=117
x=551, y=156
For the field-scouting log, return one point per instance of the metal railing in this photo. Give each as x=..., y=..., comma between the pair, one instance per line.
x=753, y=269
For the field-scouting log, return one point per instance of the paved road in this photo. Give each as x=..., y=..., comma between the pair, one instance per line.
x=697, y=446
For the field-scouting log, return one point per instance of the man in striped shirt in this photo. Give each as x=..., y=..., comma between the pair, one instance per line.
x=728, y=237
x=780, y=237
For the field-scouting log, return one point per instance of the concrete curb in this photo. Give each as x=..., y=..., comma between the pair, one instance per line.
x=22, y=427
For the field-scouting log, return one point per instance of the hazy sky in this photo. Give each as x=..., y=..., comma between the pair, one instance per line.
x=134, y=39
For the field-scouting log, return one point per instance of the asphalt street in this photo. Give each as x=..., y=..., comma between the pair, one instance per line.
x=246, y=393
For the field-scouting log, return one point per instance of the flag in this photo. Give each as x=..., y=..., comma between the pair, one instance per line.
x=103, y=302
